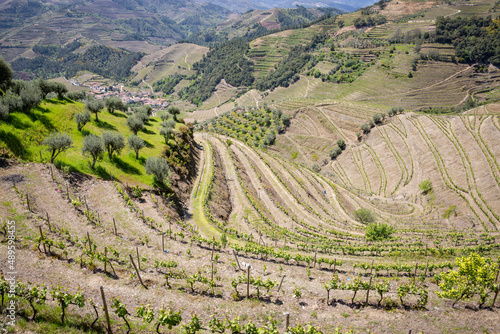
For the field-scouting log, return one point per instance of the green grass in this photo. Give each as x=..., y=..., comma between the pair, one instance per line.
x=23, y=135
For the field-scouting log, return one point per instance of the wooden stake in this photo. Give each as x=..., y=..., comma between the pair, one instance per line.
x=334, y=266
x=137, y=271
x=138, y=258
x=213, y=248
x=41, y=235
x=315, y=252
x=415, y=274
x=496, y=295
x=212, y=276
x=248, y=281
x=238, y=262
x=90, y=243
x=81, y=261
x=48, y=222
x=371, y=269
x=114, y=224
x=106, y=311
x=28, y=202
x=163, y=242
x=105, y=258
x=282, y=278
x=368, y=291
x=287, y=321
x=426, y=267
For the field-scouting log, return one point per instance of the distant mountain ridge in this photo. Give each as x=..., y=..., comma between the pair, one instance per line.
x=244, y=5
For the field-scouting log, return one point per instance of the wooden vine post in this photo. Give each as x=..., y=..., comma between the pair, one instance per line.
x=236, y=258
x=48, y=222
x=90, y=243
x=138, y=258
x=137, y=271
x=415, y=274
x=287, y=321
x=28, y=202
x=163, y=242
x=334, y=265
x=105, y=259
x=368, y=291
x=248, y=281
x=281, y=283
x=114, y=224
x=426, y=267
x=42, y=238
x=105, y=306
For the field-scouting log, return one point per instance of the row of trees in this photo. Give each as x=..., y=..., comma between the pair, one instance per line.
x=20, y=95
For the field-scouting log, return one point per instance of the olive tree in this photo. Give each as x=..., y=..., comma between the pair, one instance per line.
x=364, y=216
x=136, y=143
x=94, y=106
x=93, y=147
x=135, y=124
x=56, y=143
x=341, y=144
x=6, y=75
x=159, y=168
x=335, y=152
x=113, y=103
x=113, y=142
x=81, y=119
x=174, y=111
x=31, y=96
x=166, y=132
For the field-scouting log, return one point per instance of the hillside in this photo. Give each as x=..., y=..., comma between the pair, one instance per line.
x=339, y=177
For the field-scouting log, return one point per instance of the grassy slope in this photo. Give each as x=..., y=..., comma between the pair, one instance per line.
x=24, y=134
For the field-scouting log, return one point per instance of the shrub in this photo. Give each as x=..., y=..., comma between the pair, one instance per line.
x=57, y=142
x=92, y=145
x=335, y=152
x=316, y=168
x=159, y=168
x=378, y=232
x=425, y=186
x=81, y=119
x=475, y=276
x=364, y=216
x=136, y=143
x=341, y=144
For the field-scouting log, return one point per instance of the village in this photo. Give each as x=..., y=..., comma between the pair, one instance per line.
x=101, y=91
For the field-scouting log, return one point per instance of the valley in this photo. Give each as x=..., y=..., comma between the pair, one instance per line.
x=339, y=177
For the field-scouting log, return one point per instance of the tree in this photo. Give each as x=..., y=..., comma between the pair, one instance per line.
x=475, y=276
x=57, y=142
x=135, y=143
x=166, y=132
x=94, y=106
x=31, y=96
x=135, y=124
x=113, y=142
x=364, y=216
x=60, y=90
x=4, y=110
x=378, y=232
x=377, y=118
x=335, y=152
x=81, y=119
x=425, y=186
x=159, y=168
x=174, y=111
x=5, y=75
x=113, y=103
x=365, y=127
x=92, y=145
x=341, y=144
